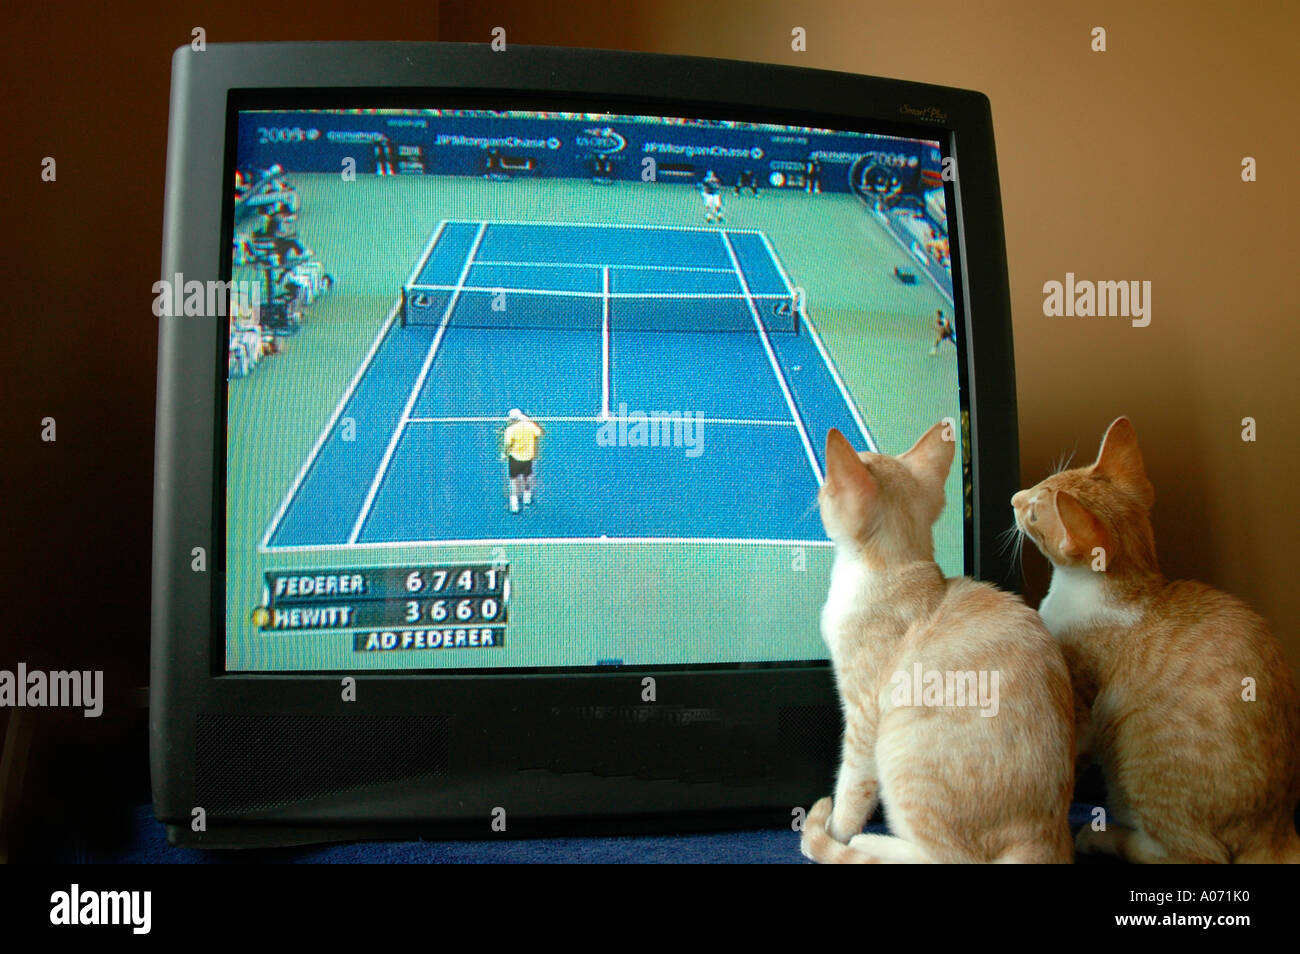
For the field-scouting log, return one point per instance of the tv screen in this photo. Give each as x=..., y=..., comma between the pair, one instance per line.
x=536, y=390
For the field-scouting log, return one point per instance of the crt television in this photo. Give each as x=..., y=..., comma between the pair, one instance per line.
x=492, y=403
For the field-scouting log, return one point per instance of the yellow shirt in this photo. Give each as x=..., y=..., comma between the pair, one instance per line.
x=521, y=440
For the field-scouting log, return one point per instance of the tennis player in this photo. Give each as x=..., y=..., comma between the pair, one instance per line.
x=519, y=451
x=711, y=189
x=943, y=331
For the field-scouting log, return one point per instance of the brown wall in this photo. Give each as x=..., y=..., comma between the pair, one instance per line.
x=87, y=83
x=1117, y=165
x=1192, y=84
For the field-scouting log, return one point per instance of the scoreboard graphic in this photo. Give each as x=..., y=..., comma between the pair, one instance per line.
x=459, y=606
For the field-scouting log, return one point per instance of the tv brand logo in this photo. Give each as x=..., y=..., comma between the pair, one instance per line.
x=98, y=908
x=1087, y=299
x=196, y=299
x=655, y=429
x=932, y=113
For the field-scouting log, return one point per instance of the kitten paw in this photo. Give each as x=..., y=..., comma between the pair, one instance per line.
x=814, y=826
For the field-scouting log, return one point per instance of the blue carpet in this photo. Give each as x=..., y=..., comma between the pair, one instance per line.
x=768, y=846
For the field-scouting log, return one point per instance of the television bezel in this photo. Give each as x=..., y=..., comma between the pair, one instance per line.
x=188, y=622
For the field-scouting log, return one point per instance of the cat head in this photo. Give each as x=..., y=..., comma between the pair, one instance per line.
x=1105, y=505
x=882, y=506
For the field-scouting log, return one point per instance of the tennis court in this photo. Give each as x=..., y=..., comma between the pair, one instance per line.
x=589, y=329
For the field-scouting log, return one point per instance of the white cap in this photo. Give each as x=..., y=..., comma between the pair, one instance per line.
x=516, y=414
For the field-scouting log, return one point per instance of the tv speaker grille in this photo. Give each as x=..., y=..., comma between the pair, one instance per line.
x=250, y=763
x=814, y=731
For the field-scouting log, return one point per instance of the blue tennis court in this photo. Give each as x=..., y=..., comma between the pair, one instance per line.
x=600, y=334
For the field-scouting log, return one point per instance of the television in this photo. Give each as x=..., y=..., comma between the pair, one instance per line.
x=493, y=395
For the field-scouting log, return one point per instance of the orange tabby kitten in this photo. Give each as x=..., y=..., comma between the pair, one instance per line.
x=960, y=782
x=1194, y=771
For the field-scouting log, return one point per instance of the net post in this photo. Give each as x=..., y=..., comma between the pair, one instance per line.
x=402, y=307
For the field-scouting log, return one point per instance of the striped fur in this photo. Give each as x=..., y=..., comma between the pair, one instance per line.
x=1195, y=771
x=958, y=782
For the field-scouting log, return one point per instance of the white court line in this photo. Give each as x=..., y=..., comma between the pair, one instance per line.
x=830, y=365
x=604, y=346
x=428, y=250
x=640, y=268
x=771, y=357
x=414, y=395
x=347, y=394
x=649, y=416
x=584, y=294
x=532, y=541
x=329, y=426
x=644, y=227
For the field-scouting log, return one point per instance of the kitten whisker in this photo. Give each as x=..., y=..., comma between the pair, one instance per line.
x=1063, y=460
x=1013, y=539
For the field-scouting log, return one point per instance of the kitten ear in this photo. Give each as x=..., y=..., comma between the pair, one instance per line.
x=845, y=471
x=1083, y=531
x=1120, y=459
x=931, y=456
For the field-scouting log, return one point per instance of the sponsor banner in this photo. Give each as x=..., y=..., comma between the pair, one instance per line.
x=481, y=143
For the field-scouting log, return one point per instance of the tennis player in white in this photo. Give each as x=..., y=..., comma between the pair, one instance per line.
x=711, y=190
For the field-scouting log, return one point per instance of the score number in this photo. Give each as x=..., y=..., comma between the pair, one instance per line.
x=488, y=579
x=467, y=595
x=476, y=609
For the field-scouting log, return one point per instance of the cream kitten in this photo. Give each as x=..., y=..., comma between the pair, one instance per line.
x=959, y=782
x=1183, y=695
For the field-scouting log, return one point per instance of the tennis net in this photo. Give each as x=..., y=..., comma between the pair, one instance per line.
x=585, y=311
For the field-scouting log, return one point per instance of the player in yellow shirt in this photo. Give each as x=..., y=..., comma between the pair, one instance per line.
x=520, y=451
